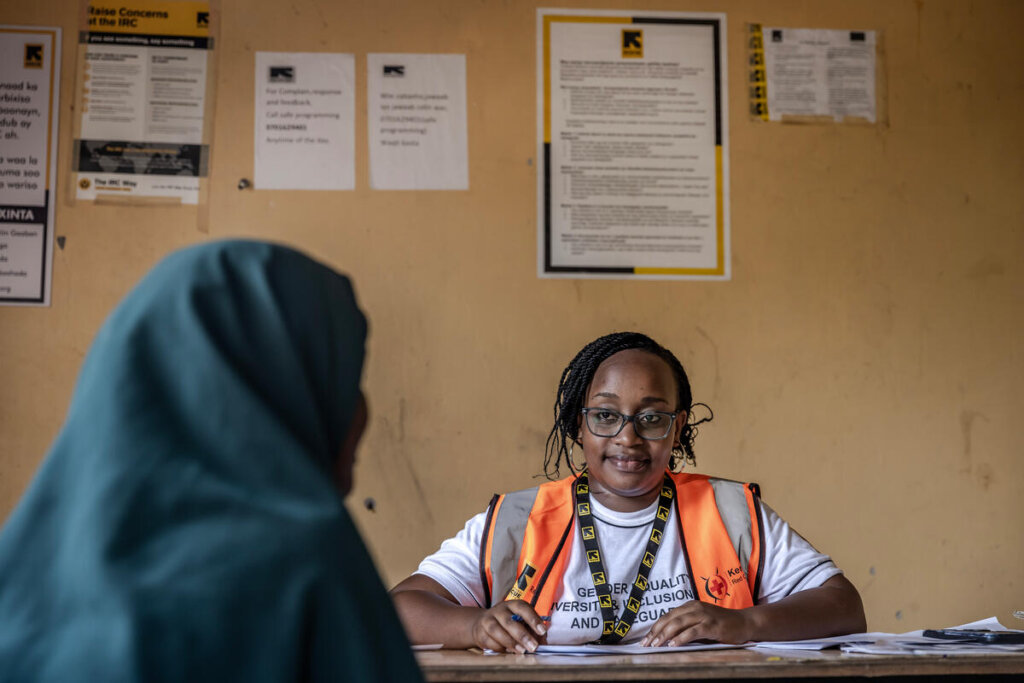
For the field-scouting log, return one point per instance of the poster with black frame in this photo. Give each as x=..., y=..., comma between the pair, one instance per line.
x=29, y=93
x=633, y=145
x=144, y=101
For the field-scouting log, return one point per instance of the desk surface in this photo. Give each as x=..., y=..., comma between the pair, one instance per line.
x=463, y=665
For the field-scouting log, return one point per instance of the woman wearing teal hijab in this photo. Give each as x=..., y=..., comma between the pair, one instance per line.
x=188, y=523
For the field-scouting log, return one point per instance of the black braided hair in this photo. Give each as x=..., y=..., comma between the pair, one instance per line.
x=572, y=392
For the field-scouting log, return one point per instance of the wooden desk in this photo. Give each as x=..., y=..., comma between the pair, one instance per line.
x=462, y=665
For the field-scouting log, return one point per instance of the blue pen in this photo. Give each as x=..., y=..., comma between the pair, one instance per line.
x=516, y=617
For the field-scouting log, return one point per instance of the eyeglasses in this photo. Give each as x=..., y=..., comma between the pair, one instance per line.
x=652, y=425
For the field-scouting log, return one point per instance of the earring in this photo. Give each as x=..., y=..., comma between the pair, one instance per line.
x=582, y=466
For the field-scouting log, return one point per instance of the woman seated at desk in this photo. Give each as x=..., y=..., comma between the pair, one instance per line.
x=627, y=548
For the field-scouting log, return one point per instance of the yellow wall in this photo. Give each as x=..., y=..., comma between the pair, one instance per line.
x=864, y=362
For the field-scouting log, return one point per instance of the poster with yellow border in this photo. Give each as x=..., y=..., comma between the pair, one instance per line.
x=633, y=142
x=142, y=129
x=29, y=94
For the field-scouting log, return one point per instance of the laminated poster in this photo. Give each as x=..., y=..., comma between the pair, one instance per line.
x=633, y=146
x=142, y=128
x=29, y=88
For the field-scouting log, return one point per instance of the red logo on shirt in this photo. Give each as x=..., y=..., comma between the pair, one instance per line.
x=716, y=586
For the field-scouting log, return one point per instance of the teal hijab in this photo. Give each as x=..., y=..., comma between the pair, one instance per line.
x=185, y=525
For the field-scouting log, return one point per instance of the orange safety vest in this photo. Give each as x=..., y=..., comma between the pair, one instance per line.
x=524, y=550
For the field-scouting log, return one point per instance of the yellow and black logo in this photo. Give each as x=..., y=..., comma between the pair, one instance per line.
x=633, y=605
x=598, y=578
x=202, y=20
x=581, y=487
x=656, y=536
x=622, y=629
x=587, y=532
x=648, y=560
x=33, y=56
x=608, y=627
x=583, y=509
x=662, y=513
x=641, y=582
x=522, y=583
x=593, y=556
x=632, y=43
x=606, y=601
x=667, y=491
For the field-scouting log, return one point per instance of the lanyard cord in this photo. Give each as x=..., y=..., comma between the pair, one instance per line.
x=615, y=630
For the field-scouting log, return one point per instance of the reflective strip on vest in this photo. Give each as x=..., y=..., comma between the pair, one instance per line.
x=523, y=545
x=505, y=537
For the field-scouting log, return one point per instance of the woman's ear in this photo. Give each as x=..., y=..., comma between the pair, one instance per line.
x=677, y=428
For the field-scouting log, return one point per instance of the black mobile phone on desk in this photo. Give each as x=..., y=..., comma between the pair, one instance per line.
x=967, y=635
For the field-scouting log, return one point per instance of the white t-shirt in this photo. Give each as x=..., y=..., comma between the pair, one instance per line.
x=791, y=565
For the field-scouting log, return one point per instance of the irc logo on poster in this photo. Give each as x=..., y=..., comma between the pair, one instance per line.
x=33, y=56
x=632, y=43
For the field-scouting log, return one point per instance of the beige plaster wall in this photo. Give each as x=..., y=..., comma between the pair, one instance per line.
x=864, y=362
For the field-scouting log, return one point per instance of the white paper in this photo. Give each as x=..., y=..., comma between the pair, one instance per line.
x=143, y=107
x=911, y=642
x=629, y=649
x=305, y=121
x=29, y=89
x=417, y=120
x=633, y=145
x=817, y=72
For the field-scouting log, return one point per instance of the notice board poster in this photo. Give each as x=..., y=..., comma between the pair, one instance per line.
x=29, y=89
x=634, y=179
x=142, y=130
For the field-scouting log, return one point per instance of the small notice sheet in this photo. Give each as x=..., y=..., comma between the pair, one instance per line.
x=417, y=122
x=817, y=72
x=634, y=179
x=305, y=121
x=142, y=132
x=29, y=86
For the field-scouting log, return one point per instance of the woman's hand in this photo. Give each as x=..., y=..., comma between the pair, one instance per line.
x=697, y=620
x=511, y=626
x=831, y=609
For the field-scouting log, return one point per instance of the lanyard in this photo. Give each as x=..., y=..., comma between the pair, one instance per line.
x=615, y=630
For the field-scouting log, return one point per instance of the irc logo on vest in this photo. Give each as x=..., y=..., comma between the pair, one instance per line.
x=587, y=532
x=656, y=536
x=662, y=513
x=605, y=600
x=593, y=556
x=583, y=509
x=522, y=583
x=716, y=586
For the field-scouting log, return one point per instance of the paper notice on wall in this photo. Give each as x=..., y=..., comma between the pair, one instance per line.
x=29, y=89
x=818, y=72
x=143, y=101
x=305, y=121
x=634, y=179
x=417, y=119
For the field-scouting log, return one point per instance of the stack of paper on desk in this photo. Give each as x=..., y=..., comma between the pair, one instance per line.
x=910, y=643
